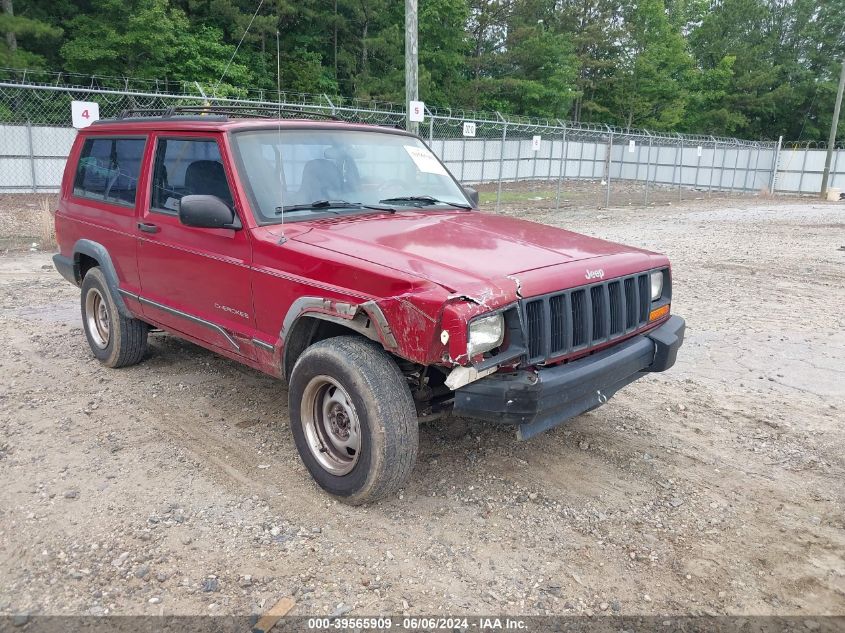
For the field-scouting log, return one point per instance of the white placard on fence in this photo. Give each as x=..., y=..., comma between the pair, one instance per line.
x=416, y=111
x=469, y=128
x=84, y=113
x=698, y=151
x=632, y=145
x=535, y=143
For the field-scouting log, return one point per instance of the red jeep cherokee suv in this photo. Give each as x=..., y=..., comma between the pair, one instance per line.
x=347, y=260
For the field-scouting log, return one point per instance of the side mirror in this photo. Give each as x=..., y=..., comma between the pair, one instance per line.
x=207, y=212
x=472, y=194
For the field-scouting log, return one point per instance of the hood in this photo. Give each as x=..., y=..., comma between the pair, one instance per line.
x=458, y=249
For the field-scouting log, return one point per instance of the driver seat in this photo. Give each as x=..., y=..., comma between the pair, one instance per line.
x=321, y=180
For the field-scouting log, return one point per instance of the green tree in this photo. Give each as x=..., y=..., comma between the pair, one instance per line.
x=785, y=68
x=648, y=88
x=528, y=67
x=595, y=30
x=147, y=39
x=707, y=111
x=26, y=29
x=443, y=50
x=747, y=67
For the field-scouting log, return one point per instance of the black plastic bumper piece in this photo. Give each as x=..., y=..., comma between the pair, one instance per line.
x=65, y=267
x=539, y=400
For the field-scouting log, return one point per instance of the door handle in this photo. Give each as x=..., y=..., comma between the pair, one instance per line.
x=148, y=227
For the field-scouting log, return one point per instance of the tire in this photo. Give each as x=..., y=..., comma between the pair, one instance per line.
x=115, y=340
x=336, y=383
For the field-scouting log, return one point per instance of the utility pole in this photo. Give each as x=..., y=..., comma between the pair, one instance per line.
x=412, y=92
x=831, y=142
x=11, y=38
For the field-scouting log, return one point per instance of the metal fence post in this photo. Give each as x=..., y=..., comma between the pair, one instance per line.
x=681, y=174
x=803, y=169
x=736, y=162
x=325, y=96
x=31, y=155
x=622, y=151
x=674, y=168
x=501, y=164
x=722, y=166
x=639, y=160
x=775, y=166
x=464, y=157
x=712, y=166
x=562, y=169
x=609, y=165
x=483, y=157
x=648, y=169
x=697, y=167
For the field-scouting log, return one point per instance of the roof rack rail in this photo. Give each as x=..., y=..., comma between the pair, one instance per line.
x=257, y=111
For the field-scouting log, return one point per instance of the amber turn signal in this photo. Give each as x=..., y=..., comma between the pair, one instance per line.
x=659, y=313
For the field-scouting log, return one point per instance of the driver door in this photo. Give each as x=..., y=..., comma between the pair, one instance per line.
x=194, y=280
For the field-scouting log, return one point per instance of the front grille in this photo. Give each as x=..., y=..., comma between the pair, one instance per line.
x=578, y=319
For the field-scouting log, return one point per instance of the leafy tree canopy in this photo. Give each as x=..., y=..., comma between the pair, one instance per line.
x=752, y=68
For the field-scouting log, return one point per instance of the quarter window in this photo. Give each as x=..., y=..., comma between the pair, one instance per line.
x=108, y=169
x=186, y=167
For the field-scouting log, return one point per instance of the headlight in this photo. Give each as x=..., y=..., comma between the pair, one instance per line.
x=656, y=285
x=485, y=334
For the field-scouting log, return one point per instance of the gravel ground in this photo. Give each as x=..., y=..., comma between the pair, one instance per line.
x=716, y=488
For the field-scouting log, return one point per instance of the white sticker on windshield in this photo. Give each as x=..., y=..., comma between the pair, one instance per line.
x=425, y=161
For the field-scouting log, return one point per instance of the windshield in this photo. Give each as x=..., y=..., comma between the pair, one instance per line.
x=342, y=171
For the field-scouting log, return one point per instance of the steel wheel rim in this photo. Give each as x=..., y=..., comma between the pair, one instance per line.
x=331, y=426
x=97, y=317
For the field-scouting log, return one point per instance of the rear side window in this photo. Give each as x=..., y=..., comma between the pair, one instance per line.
x=185, y=167
x=108, y=169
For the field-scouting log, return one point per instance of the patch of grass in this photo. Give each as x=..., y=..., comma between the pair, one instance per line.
x=46, y=225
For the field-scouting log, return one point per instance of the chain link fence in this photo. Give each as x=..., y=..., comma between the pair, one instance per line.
x=801, y=166
x=511, y=160
x=560, y=164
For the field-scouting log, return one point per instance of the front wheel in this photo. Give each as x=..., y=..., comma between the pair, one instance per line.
x=115, y=340
x=353, y=419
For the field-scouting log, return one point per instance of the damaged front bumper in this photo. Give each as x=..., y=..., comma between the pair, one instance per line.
x=538, y=400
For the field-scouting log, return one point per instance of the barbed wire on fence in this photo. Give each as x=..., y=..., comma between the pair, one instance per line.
x=192, y=90
x=182, y=88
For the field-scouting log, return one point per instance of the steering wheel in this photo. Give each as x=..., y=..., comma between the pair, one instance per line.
x=392, y=187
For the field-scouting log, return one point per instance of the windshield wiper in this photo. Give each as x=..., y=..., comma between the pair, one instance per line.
x=322, y=205
x=426, y=201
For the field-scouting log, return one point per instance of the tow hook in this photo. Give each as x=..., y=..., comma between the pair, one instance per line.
x=601, y=397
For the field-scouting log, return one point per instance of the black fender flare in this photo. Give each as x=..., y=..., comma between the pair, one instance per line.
x=101, y=255
x=349, y=315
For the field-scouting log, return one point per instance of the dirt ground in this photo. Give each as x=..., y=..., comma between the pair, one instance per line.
x=716, y=488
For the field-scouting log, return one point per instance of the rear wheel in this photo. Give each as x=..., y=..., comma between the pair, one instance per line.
x=353, y=419
x=115, y=340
